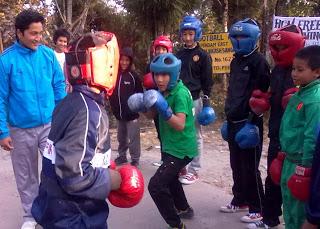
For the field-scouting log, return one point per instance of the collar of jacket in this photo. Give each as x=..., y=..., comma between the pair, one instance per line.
x=99, y=98
x=23, y=49
x=308, y=86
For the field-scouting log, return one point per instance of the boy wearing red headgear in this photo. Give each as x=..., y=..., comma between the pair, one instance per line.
x=75, y=178
x=284, y=44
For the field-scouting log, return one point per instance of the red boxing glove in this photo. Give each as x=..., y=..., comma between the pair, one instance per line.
x=276, y=168
x=299, y=183
x=131, y=188
x=287, y=95
x=259, y=102
x=148, y=82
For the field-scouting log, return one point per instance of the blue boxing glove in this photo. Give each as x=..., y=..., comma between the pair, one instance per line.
x=153, y=98
x=224, y=130
x=248, y=136
x=135, y=103
x=206, y=116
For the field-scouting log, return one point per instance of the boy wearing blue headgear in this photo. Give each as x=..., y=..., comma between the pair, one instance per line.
x=249, y=72
x=173, y=103
x=196, y=74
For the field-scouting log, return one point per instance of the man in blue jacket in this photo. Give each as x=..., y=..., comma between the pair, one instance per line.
x=31, y=84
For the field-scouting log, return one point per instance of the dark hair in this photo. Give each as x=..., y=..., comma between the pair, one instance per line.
x=311, y=54
x=61, y=33
x=27, y=17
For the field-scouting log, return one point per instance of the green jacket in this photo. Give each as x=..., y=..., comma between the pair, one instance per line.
x=300, y=124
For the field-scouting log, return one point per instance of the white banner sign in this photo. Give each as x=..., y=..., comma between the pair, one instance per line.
x=309, y=25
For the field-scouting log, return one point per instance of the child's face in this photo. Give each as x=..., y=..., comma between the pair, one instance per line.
x=188, y=37
x=162, y=81
x=160, y=50
x=61, y=45
x=124, y=63
x=302, y=74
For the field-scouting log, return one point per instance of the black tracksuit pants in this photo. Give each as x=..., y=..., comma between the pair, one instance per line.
x=247, y=187
x=166, y=190
x=273, y=200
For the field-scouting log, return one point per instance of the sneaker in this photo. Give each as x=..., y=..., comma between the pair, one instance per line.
x=121, y=160
x=230, y=208
x=186, y=214
x=135, y=163
x=157, y=163
x=190, y=178
x=29, y=224
x=183, y=172
x=259, y=224
x=182, y=226
x=251, y=218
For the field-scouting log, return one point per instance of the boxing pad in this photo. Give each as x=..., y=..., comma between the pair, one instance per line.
x=259, y=102
x=276, y=168
x=299, y=183
x=153, y=98
x=248, y=136
x=224, y=130
x=148, y=82
x=287, y=95
x=135, y=103
x=206, y=116
x=131, y=188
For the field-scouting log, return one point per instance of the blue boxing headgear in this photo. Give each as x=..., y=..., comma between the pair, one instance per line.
x=167, y=63
x=250, y=32
x=192, y=23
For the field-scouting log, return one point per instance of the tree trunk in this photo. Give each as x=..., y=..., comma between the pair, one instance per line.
x=1, y=43
x=264, y=33
x=69, y=12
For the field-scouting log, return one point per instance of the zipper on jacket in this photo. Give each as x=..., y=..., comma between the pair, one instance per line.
x=119, y=99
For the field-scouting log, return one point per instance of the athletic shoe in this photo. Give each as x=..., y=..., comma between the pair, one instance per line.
x=182, y=226
x=186, y=214
x=251, y=218
x=190, y=178
x=260, y=224
x=230, y=208
x=157, y=163
x=121, y=160
x=29, y=224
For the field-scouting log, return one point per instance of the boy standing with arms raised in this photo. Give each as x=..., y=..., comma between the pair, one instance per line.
x=175, y=109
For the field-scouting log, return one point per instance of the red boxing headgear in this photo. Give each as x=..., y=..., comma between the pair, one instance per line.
x=93, y=59
x=291, y=38
x=162, y=41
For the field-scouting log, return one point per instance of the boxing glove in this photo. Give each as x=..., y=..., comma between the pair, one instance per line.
x=112, y=165
x=131, y=188
x=148, y=82
x=276, y=168
x=153, y=98
x=135, y=103
x=224, y=130
x=259, y=102
x=206, y=116
x=287, y=95
x=248, y=136
x=299, y=183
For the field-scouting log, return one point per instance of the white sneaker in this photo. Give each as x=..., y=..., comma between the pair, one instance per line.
x=251, y=218
x=31, y=224
x=190, y=178
x=157, y=163
x=230, y=208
